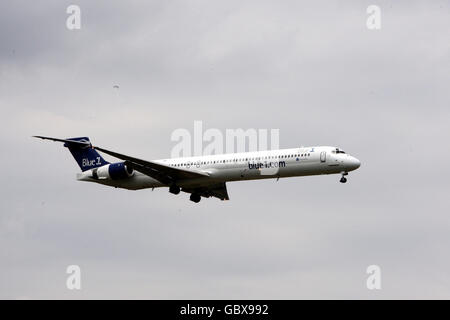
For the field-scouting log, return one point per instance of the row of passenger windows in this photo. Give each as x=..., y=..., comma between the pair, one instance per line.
x=300, y=155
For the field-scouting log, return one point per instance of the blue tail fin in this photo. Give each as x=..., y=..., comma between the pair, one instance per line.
x=86, y=157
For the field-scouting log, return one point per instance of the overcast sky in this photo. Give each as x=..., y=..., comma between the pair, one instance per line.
x=311, y=69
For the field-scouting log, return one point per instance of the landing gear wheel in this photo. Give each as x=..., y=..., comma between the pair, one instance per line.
x=344, y=179
x=174, y=189
x=195, y=197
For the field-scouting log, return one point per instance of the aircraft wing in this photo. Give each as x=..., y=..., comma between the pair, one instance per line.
x=168, y=175
x=160, y=172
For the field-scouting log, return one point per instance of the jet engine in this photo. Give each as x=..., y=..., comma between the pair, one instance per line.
x=113, y=171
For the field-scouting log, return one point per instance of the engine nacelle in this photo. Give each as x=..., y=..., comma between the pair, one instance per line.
x=113, y=171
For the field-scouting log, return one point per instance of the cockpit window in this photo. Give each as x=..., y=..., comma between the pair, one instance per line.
x=338, y=151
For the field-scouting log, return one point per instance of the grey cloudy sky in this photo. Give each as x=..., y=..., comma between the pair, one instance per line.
x=309, y=68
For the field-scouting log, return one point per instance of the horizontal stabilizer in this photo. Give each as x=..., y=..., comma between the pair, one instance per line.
x=80, y=143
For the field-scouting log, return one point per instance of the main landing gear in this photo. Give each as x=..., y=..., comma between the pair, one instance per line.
x=344, y=179
x=174, y=189
x=195, y=197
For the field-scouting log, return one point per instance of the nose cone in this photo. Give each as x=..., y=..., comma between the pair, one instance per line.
x=353, y=163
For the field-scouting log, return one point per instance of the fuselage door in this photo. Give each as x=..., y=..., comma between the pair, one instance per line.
x=323, y=156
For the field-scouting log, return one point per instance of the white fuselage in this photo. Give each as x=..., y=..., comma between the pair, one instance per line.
x=283, y=163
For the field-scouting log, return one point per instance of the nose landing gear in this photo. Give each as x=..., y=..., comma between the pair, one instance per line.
x=344, y=179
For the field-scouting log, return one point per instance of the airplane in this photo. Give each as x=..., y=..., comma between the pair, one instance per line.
x=204, y=176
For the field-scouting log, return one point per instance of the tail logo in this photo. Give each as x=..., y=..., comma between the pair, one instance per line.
x=89, y=163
